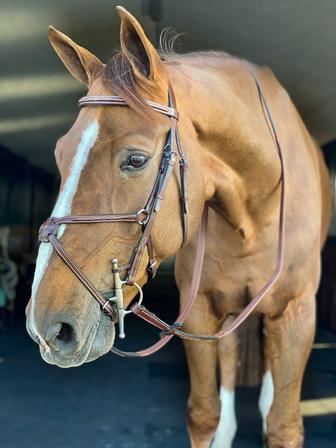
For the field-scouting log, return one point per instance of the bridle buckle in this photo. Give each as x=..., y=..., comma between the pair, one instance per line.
x=49, y=227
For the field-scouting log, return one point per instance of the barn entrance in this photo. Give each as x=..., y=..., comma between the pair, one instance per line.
x=138, y=403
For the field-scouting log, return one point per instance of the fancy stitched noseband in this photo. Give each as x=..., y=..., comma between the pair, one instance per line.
x=145, y=219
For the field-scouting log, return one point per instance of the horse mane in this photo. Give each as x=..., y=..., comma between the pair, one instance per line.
x=120, y=78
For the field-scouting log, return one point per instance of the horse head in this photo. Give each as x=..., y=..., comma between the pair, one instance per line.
x=109, y=163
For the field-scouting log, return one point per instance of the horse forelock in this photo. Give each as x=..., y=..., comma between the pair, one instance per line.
x=121, y=78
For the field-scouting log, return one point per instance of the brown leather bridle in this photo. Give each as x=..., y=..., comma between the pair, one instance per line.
x=145, y=218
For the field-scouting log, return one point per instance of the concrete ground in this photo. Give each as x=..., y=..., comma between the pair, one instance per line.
x=129, y=403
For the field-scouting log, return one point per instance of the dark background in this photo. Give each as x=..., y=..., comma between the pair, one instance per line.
x=113, y=402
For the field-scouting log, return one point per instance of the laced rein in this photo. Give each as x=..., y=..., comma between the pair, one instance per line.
x=168, y=331
x=157, y=195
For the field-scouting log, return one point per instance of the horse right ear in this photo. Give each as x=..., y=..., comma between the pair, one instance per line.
x=82, y=64
x=137, y=48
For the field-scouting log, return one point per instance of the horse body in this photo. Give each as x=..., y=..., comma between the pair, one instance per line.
x=234, y=167
x=242, y=239
x=243, y=225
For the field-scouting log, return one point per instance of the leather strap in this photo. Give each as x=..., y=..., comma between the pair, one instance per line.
x=152, y=319
x=105, y=304
x=168, y=331
x=111, y=100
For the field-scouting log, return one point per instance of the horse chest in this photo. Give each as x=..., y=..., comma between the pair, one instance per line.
x=229, y=282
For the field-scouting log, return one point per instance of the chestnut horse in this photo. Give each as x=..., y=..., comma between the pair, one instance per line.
x=108, y=162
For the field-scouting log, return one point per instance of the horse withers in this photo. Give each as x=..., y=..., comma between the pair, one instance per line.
x=109, y=162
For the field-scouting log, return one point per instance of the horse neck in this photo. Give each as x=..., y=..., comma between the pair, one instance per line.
x=234, y=138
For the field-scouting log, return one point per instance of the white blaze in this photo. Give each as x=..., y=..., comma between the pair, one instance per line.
x=63, y=207
x=266, y=398
x=227, y=425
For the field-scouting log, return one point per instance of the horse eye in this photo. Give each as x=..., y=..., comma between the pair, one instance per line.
x=135, y=162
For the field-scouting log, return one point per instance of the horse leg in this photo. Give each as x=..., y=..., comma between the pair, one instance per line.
x=290, y=341
x=267, y=389
x=203, y=404
x=228, y=358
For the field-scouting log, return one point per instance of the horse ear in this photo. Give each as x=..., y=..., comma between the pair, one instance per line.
x=137, y=48
x=82, y=64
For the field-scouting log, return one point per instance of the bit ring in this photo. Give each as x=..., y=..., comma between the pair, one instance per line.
x=140, y=214
x=140, y=292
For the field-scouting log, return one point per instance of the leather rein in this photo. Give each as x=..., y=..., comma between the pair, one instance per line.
x=145, y=218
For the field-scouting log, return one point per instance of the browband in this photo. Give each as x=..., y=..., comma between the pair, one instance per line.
x=113, y=100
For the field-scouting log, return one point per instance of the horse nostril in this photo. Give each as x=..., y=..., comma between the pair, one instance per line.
x=66, y=333
x=61, y=337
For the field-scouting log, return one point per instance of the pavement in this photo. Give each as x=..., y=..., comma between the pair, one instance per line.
x=131, y=403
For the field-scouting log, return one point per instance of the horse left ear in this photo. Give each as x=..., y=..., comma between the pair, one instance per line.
x=82, y=64
x=137, y=48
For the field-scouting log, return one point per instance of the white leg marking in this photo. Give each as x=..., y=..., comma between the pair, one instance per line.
x=227, y=425
x=266, y=398
x=63, y=207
